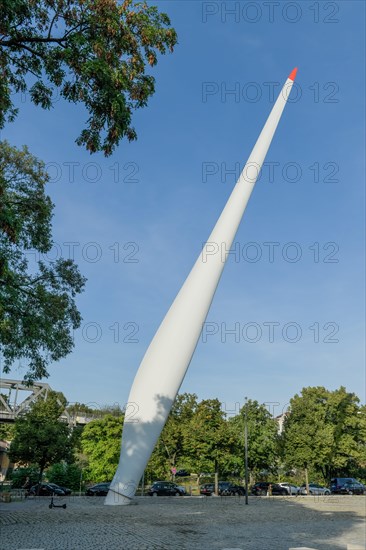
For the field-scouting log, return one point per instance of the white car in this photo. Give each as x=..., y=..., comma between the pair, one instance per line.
x=291, y=489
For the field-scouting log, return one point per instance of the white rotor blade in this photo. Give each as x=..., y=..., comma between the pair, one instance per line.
x=166, y=360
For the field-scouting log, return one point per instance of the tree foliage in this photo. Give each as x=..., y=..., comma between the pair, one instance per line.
x=65, y=475
x=208, y=441
x=262, y=437
x=101, y=443
x=40, y=437
x=37, y=306
x=80, y=409
x=169, y=451
x=94, y=51
x=199, y=438
x=325, y=430
x=6, y=431
x=19, y=476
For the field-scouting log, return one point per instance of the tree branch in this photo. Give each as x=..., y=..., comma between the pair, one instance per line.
x=34, y=52
x=74, y=28
x=18, y=62
x=30, y=40
x=19, y=287
x=51, y=25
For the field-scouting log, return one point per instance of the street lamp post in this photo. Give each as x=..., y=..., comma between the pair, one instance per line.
x=246, y=450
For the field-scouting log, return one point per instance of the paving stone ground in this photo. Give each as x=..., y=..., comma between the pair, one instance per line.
x=185, y=523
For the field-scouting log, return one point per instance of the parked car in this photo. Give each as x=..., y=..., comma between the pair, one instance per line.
x=350, y=488
x=46, y=490
x=182, y=473
x=290, y=488
x=66, y=490
x=98, y=490
x=261, y=488
x=207, y=489
x=226, y=488
x=314, y=489
x=165, y=488
x=230, y=489
x=336, y=483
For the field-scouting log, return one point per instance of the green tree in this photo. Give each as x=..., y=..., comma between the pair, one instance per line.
x=101, y=443
x=208, y=442
x=19, y=476
x=65, y=475
x=6, y=431
x=79, y=409
x=40, y=437
x=169, y=450
x=95, y=52
x=196, y=438
x=262, y=437
x=114, y=410
x=325, y=430
x=37, y=299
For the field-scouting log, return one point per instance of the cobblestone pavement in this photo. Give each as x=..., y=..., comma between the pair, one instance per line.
x=185, y=523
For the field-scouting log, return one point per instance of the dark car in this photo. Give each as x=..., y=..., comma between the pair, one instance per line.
x=165, y=488
x=207, y=489
x=98, y=490
x=226, y=488
x=182, y=473
x=262, y=488
x=230, y=489
x=66, y=490
x=46, y=490
x=350, y=488
x=336, y=483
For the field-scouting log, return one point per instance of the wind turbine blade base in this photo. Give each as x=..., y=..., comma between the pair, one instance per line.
x=116, y=499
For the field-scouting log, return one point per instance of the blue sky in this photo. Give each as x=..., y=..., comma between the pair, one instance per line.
x=139, y=218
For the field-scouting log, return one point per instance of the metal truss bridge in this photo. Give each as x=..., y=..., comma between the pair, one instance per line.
x=16, y=397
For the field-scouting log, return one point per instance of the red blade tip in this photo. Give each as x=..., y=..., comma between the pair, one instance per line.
x=292, y=75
